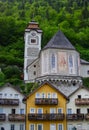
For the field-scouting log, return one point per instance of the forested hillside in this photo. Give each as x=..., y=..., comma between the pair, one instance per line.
x=70, y=16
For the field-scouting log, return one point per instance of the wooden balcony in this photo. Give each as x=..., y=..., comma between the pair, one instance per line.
x=46, y=101
x=87, y=116
x=12, y=102
x=82, y=101
x=46, y=117
x=2, y=117
x=16, y=117
x=75, y=117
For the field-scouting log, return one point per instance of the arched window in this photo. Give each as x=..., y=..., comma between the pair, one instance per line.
x=53, y=61
x=70, y=61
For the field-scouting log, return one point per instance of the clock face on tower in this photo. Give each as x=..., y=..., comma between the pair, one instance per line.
x=33, y=34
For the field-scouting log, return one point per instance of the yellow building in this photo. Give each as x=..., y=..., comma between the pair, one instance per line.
x=46, y=109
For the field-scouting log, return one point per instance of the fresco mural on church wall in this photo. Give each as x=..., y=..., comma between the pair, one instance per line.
x=62, y=61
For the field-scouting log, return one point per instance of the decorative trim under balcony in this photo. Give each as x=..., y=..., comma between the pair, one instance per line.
x=16, y=117
x=12, y=102
x=75, y=117
x=46, y=117
x=82, y=101
x=46, y=101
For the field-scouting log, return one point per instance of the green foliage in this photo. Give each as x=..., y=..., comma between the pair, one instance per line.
x=2, y=78
x=28, y=87
x=70, y=16
x=86, y=82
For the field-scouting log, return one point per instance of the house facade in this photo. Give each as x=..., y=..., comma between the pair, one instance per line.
x=12, y=109
x=46, y=109
x=78, y=110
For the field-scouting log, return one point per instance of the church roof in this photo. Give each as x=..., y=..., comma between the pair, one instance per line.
x=59, y=41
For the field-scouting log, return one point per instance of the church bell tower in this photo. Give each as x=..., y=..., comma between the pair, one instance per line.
x=32, y=47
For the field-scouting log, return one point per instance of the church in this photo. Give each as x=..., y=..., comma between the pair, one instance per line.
x=57, y=62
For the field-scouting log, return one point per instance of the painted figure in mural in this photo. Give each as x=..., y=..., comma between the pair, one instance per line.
x=62, y=60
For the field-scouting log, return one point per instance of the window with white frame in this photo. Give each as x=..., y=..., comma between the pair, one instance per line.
x=69, y=111
x=16, y=95
x=52, y=126
x=5, y=94
x=21, y=126
x=11, y=95
x=32, y=110
x=1, y=110
x=53, y=61
x=60, y=126
x=54, y=95
x=0, y=95
x=39, y=110
x=12, y=127
x=71, y=64
x=49, y=95
x=22, y=111
x=87, y=126
x=52, y=110
x=79, y=126
x=32, y=127
x=70, y=126
x=60, y=110
x=43, y=95
x=33, y=40
x=39, y=127
x=38, y=95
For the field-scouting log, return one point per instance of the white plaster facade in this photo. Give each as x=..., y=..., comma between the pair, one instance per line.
x=84, y=70
x=72, y=108
x=6, y=93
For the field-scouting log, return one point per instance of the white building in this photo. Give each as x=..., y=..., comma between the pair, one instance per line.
x=12, y=109
x=78, y=110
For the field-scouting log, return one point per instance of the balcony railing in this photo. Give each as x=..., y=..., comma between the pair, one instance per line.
x=46, y=117
x=87, y=116
x=75, y=116
x=46, y=101
x=2, y=117
x=82, y=101
x=16, y=117
x=13, y=102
